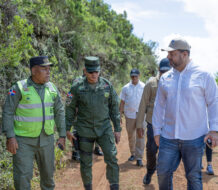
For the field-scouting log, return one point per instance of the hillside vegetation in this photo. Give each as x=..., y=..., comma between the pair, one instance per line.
x=66, y=31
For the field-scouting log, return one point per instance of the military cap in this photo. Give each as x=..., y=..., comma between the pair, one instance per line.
x=92, y=64
x=40, y=60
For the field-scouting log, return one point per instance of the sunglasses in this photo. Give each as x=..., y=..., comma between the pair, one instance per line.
x=93, y=72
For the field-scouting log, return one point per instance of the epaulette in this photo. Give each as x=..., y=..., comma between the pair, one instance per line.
x=107, y=82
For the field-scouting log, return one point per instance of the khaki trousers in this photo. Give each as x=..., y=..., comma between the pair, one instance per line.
x=136, y=145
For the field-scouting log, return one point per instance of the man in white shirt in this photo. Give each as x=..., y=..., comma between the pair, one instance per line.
x=130, y=99
x=186, y=109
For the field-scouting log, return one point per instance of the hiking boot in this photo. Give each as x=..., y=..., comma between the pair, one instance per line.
x=88, y=187
x=114, y=187
x=147, y=179
x=98, y=152
x=75, y=155
x=210, y=170
x=131, y=158
x=139, y=163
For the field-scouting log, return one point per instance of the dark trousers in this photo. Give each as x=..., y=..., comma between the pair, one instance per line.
x=151, y=150
x=209, y=154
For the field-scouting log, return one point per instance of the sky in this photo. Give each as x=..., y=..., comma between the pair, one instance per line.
x=162, y=20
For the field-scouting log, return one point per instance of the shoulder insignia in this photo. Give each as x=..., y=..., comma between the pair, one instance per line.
x=69, y=95
x=12, y=92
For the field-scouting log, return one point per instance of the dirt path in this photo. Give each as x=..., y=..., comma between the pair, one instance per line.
x=130, y=175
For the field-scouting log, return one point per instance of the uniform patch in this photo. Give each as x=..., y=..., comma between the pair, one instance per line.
x=12, y=92
x=106, y=94
x=69, y=95
x=69, y=98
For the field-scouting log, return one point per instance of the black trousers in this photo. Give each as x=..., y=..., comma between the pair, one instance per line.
x=151, y=150
x=209, y=154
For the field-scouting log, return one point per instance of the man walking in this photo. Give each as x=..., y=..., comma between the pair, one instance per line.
x=146, y=107
x=130, y=98
x=32, y=108
x=186, y=102
x=97, y=104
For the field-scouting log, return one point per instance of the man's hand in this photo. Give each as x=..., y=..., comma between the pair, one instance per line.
x=117, y=136
x=70, y=137
x=61, y=141
x=213, y=136
x=12, y=145
x=140, y=132
x=157, y=140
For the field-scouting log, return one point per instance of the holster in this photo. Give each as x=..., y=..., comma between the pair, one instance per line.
x=76, y=142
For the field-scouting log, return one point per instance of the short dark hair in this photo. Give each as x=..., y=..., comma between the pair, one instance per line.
x=181, y=50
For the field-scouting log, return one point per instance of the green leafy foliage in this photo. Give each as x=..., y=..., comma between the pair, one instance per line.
x=66, y=31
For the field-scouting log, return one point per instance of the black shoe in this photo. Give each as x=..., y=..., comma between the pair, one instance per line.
x=139, y=163
x=131, y=158
x=98, y=152
x=88, y=187
x=147, y=179
x=114, y=187
x=75, y=155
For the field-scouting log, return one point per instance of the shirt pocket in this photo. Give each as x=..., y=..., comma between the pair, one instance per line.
x=84, y=97
x=103, y=96
x=193, y=89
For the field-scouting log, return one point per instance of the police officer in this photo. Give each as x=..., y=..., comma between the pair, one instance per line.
x=97, y=103
x=32, y=108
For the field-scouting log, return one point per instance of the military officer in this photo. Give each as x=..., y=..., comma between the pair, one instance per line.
x=33, y=106
x=97, y=104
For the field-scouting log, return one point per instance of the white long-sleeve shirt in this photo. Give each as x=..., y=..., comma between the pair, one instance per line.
x=131, y=94
x=186, y=104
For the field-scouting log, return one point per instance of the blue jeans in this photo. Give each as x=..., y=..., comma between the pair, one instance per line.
x=171, y=151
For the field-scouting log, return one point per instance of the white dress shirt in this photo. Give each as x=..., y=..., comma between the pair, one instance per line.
x=185, y=104
x=131, y=94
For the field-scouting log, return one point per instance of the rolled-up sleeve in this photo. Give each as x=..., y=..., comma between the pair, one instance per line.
x=123, y=94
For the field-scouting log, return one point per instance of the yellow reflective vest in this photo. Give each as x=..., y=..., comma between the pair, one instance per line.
x=32, y=113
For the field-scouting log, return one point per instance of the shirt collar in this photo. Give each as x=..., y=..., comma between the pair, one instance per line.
x=136, y=84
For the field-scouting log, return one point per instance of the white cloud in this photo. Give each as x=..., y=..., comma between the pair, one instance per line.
x=135, y=12
x=204, y=51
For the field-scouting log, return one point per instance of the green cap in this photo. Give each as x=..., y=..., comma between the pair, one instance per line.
x=92, y=64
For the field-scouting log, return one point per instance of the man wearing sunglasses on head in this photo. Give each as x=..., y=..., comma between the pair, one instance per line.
x=94, y=102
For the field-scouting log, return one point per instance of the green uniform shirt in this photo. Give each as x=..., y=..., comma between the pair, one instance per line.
x=147, y=102
x=96, y=107
x=11, y=104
